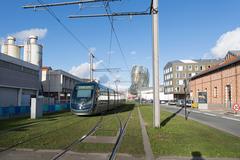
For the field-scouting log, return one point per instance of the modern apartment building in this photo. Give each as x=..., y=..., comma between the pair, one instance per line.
x=175, y=72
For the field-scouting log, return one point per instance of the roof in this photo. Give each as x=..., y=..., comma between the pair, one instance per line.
x=192, y=61
x=20, y=62
x=188, y=61
x=234, y=52
x=217, y=67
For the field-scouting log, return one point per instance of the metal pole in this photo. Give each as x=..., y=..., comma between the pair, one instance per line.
x=156, y=109
x=91, y=66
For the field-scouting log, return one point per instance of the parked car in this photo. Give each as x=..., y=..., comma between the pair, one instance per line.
x=172, y=102
x=180, y=102
x=189, y=103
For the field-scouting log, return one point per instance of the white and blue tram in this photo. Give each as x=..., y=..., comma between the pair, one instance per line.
x=89, y=98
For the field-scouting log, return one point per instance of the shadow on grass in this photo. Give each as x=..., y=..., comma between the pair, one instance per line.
x=165, y=121
x=196, y=155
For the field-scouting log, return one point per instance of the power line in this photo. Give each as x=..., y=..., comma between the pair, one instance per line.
x=52, y=13
x=118, y=42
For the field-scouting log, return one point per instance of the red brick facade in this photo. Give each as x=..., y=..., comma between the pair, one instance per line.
x=221, y=84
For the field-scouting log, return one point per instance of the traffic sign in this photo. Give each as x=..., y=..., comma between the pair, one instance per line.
x=236, y=107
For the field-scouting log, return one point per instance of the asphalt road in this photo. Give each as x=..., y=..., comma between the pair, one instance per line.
x=221, y=122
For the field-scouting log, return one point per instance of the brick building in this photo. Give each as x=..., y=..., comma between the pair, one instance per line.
x=221, y=82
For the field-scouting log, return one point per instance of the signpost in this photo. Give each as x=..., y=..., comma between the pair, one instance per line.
x=236, y=107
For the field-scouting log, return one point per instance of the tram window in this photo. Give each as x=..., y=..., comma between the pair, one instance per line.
x=84, y=93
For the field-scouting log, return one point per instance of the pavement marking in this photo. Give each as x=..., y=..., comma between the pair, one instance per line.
x=146, y=143
x=210, y=114
x=195, y=111
x=230, y=118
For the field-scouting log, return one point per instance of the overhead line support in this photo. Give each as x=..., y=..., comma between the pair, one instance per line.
x=111, y=15
x=65, y=3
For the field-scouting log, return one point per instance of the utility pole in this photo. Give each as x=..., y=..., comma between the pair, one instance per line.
x=91, y=65
x=156, y=105
x=185, y=100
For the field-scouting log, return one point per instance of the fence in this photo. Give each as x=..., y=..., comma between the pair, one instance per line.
x=21, y=111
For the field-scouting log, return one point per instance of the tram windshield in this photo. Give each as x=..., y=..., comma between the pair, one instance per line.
x=83, y=94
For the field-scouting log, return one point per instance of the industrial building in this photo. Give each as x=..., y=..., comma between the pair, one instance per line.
x=58, y=84
x=175, y=72
x=220, y=83
x=20, y=79
x=147, y=94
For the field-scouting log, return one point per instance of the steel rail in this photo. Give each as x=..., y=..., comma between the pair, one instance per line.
x=119, y=139
x=77, y=141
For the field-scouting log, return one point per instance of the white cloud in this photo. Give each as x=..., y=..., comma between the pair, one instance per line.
x=24, y=34
x=227, y=41
x=82, y=70
x=121, y=87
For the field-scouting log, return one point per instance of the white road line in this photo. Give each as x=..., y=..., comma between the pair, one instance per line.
x=195, y=111
x=231, y=118
x=210, y=114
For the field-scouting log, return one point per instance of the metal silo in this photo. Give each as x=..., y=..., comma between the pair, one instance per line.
x=140, y=78
x=33, y=51
x=10, y=48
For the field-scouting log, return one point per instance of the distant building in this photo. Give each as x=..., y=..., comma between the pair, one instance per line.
x=58, y=84
x=19, y=81
x=147, y=94
x=221, y=82
x=175, y=72
x=139, y=78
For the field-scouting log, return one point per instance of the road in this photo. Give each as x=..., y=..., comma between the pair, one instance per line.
x=222, y=122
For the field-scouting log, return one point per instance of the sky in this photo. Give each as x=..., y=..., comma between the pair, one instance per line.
x=188, y=29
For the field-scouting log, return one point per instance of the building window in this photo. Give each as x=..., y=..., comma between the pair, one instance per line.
x=215, y=92
x=189, y=75
x=202, y=68
x=196, y=68
x=190, y=67
x=180, y=82
x=177, y=75
x=179, y=68
x=177, y=89
x=184, y=75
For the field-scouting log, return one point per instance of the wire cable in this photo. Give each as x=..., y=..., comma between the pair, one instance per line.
x=115, y=34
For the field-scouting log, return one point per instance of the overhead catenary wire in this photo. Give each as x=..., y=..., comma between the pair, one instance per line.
x=52, y=13
x=117, y=39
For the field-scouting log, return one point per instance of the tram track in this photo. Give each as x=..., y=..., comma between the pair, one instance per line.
x=77, y=141
x=122, y=128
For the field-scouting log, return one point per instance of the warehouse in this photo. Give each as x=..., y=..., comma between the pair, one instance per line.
x=20, y=79
x=220, y=84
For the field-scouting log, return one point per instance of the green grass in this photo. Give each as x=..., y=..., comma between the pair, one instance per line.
x=182, y=138
x=59, y=130
x=132, y=141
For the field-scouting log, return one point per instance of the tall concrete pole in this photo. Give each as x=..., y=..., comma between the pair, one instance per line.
x=91, y=65
x=156, y=105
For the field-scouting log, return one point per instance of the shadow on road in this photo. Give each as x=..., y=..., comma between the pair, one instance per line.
x=165, y=121
x=196, y=155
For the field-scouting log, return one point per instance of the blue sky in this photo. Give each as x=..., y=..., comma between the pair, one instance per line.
x=187, y=29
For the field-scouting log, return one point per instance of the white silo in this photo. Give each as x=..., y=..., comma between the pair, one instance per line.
x=10, y=48
x=33, y=51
